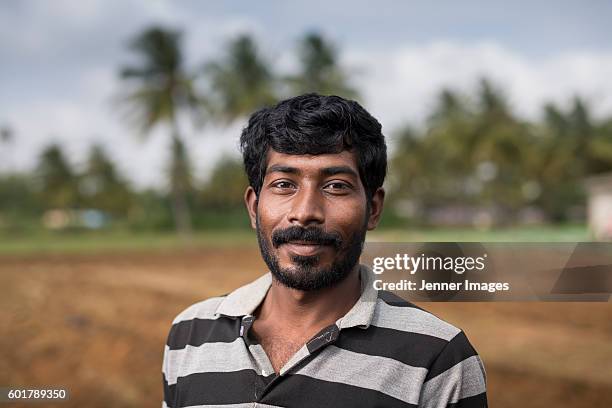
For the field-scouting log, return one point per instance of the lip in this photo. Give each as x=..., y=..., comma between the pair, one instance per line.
x=303, y=248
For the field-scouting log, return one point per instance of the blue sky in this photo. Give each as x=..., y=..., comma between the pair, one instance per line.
x=60, y=60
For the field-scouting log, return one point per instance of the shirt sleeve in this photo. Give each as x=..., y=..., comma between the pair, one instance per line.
x=169, y=390
x=456, y=379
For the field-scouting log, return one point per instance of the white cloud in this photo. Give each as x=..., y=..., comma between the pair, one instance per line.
x=401, y=85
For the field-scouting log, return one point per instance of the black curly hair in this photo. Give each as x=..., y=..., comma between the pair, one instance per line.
x=315, y=124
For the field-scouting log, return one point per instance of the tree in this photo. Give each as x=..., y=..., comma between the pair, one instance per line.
x=242, y=81
x=574, y=146
x=162, y=90
x=502, y=143
x=433, y=166
x=471, y=154
x=58, y=181
x=225, y=188
x=6, y=137
x=101, y=185
x=17, y=198
x=320, y=71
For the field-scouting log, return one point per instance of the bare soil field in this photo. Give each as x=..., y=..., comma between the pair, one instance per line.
x=96, y=325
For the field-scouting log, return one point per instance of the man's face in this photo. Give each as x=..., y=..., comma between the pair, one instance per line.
x=311, y=217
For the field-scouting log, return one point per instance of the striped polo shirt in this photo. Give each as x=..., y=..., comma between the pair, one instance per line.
x=385, y=352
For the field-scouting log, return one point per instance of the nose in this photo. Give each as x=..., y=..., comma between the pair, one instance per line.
x=307, y=207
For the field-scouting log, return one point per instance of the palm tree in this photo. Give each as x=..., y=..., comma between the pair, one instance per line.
x=57, y=179
x=320, y=71
x=101, y=184
x=162, y=89
x=502, y=151
x=6, y=137
x=242, y=81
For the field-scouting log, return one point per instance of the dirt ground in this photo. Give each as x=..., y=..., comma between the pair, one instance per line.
x=96, y=325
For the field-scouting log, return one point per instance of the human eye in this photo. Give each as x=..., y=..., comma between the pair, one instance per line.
x=337, y=187
x=282, y=186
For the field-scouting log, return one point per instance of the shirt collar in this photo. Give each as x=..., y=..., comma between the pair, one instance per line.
x=362, y=312
x=244, y=300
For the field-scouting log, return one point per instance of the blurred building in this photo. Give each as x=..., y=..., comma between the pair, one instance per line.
x=599, y=191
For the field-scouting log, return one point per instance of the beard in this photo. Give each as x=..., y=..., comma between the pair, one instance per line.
x=306, y=275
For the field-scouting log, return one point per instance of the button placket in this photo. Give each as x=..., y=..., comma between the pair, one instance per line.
x=262, y=364
x=245, y=325
x=326, y=336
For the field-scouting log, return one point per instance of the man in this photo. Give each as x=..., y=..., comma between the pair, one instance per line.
x=314, y=332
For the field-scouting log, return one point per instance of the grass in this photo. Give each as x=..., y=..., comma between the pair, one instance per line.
x=113, y=241
x=546, y=233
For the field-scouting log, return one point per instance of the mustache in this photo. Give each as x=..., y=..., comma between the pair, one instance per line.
x=313, y=235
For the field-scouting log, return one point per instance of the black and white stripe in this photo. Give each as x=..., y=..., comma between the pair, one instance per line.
x=385, y=353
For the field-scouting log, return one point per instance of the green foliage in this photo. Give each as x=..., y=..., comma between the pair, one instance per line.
x=478, y=156
x=242, y=81
x=226, y=186
x=101, y=187
x=320, y=71
x=229, y=219
x=160, y=86
x=17, y=194
x=58, y=181
x=151, y=212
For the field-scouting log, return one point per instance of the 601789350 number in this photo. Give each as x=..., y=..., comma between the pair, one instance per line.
x=12, y=394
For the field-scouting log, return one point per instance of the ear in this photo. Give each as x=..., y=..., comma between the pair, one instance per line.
x=376, y=208
x=250, y=200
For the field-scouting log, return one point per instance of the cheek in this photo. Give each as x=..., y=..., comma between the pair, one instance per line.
x=349, y=217
x=268, y=216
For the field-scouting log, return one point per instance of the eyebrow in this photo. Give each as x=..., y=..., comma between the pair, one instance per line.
x=332, y=171
x=282, y=169
x=327, y=171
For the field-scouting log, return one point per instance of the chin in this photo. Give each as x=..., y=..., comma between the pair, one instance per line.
x=310, y=277
x=311, y=262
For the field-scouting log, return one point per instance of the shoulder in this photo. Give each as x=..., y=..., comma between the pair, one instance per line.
x=418, y=337
x=191, y=334
x=204, y=309
x=455, y=371
x=217, y=319
x=395, y=313
x=198, y=324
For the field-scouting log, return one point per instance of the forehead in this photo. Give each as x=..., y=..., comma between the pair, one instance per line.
x=312, y=162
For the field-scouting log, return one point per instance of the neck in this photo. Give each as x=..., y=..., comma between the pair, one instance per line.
x=300, y=310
